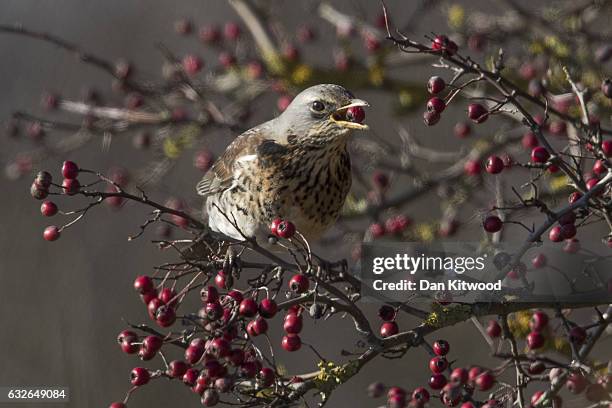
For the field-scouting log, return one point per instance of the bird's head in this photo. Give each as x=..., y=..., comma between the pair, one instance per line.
x=323, y=114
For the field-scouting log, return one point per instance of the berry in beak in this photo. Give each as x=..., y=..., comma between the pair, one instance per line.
x=351, y=116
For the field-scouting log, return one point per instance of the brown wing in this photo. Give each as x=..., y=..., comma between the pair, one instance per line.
x=220, y=176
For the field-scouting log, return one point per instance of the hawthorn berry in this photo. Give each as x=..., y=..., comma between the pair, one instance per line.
x=571, y=246
x=477, y=113
x=441, y=347
x=450, y=395
x=48, y=208
x=485, y=381
x=177, y=368
x=355, y=114
x=430, y=118
x=285, y=229
x=494, y=165
x=283, y=102
x=435, y=85
x=591, y=183
x=231, y=31
x=43, y=180
x=459, y=376
x=299, y=283
x=291, y=342
x=51, y=233
x=209, y=34
x=388, y=329
x=599, y=168
x=257, y=327
x=474, y=372
x=140, y=376
x=436, y=104
x=535, y=340
x=268, y=308
x=576, y=383
x=539, y=155
x=220, y=280
x=438, y=364
x=462, y=130
x=386, y=313
x=210, y=398
x=472, y=167
x=606, y=87
x=165, y=316
x=492, y=224
x=421, y=395
x=376, y=389
x=494, y=329
x=248, y=308
x=236, y=295
x=70, y=170
x=556, y=234
x=538, y=321
x=606, y=147
x=577, y=335
x=71, y=186
x=443, y=43
x=437, y=381
x=539, y=261
x=537, y=367
x=266, y=376
x=143, y=284
x=37, y=192
x=529, y=140
x=293, y=323
x=227, y=60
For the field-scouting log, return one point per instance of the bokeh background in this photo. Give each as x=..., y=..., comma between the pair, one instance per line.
x=63, y=303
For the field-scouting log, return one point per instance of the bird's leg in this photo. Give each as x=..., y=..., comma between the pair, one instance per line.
x=231, y=263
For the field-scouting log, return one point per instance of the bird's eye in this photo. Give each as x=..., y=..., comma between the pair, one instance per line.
x=318, y=106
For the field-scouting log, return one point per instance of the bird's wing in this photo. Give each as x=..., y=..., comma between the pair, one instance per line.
x=221, y=174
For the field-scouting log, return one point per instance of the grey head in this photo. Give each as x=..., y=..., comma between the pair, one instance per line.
x=319, y=114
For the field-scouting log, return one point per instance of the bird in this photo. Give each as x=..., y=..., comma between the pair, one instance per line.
x=294, y=167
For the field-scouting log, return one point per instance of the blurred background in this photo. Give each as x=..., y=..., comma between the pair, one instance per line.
x=63, y=303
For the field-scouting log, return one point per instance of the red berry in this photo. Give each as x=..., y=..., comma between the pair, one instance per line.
x=494, y=165
x=305, y=34
x=248, y=308
x=140, y=376
x=190, y=377
x=539, y=155
x=268, y=308
x=421, y=395
x=220, y=280
x=576, y=383
x=71, y=186
x=266, y=376
x=536, y=368
x=210, y=398
x=194, y=353
x=220, y=347
x=165, y=316
x=51, y=233
x=538, y=321
x=293, y=323
x=494, y=329
x=143, y=284
x=117, y=405
x=459, y=376
x=283, y=102
x=274, y=226
x=299, y=283
x=606, y=87
x=231, y=30
x=437, y=381
x=472, y=167
x=474, y=372
x=236, y=295
x=436, y=104
x=450, y=395
x=290, y=52
x=168, y=295
x=285, y=229
x=70, y=170
x=48, y=208
x=462, y=130
x=529, y=140
x=568, y=231
x=539, y=261
x=214, y=311
x=441, y=347
x=227, y=60
x=577, y=335
x=443, y=43
x=492, y=224
x=209, y=34
x=535, y=340
x=438, y=364
x=555, y=234
x=177, y=368
x=257, y=327
x=377, y=230
x=606, y=147
x=388, y=329
x=477, y=113
x=355, y=114
x=386, y=313
x=291, y=342
x=485, y=381
x=435, y=85
x=591, y=183
x=571, y=246
x=430, y=118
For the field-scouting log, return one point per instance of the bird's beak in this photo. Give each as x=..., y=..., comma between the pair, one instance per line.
x=340, y=115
